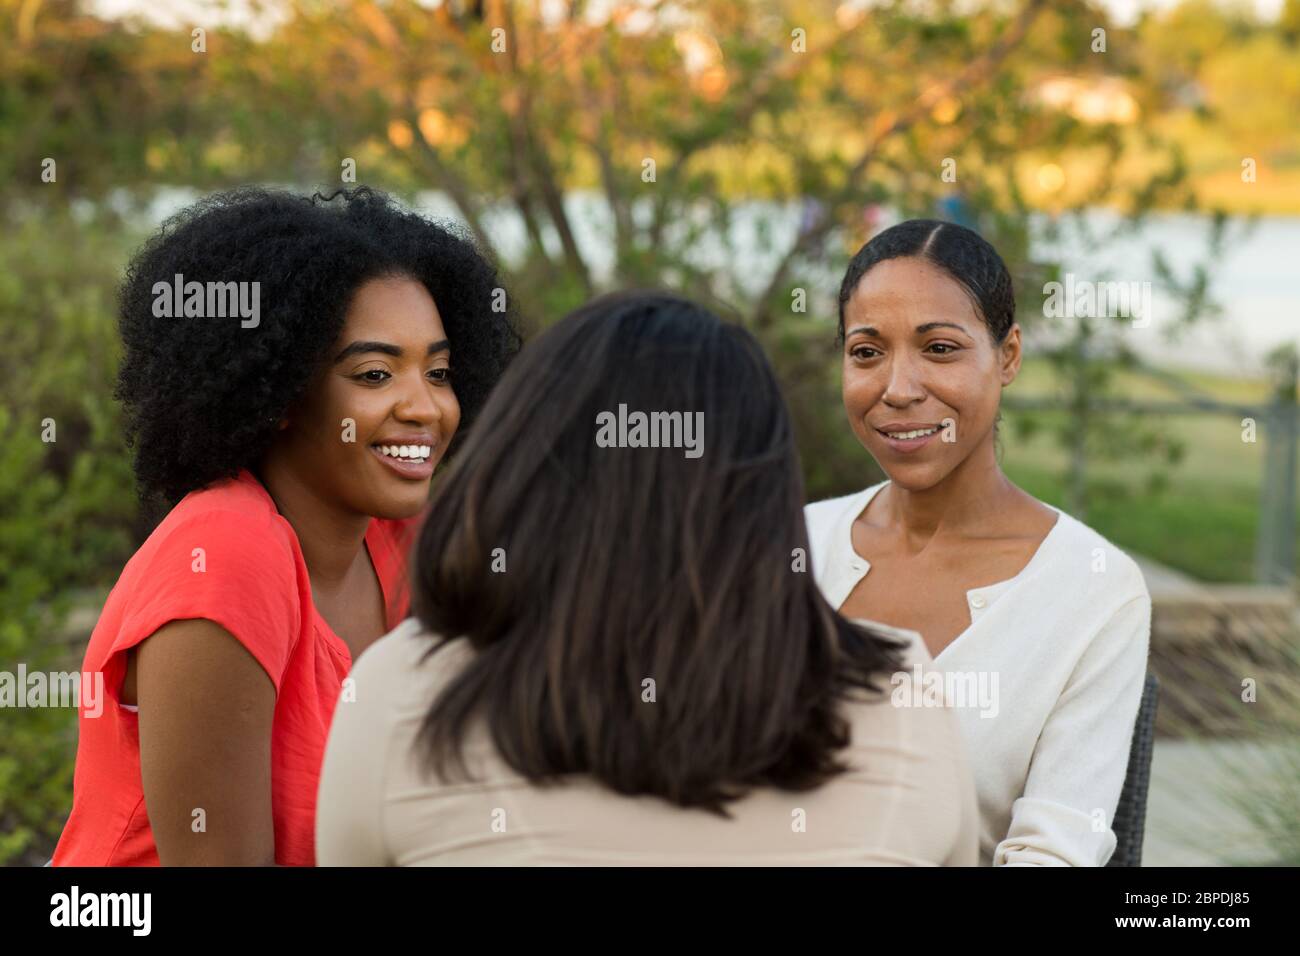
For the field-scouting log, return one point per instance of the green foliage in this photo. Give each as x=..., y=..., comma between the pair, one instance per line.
x=67, y=506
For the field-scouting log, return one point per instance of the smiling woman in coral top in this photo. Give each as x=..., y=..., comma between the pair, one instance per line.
x=295, y=446
x=1041, y=621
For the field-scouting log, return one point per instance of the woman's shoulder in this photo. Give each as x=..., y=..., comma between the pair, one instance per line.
x=912, y=716
x=231, y=507
x=913, y=660
x=410, y=662
x=1097, y=566
x=222, y=554
x=399, y=649
x=822, y=516
x=229, y=531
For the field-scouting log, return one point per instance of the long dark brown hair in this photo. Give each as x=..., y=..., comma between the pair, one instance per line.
x=621, y=566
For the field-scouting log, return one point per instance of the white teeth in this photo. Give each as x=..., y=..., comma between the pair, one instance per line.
x=416, y=453
x=920, y=433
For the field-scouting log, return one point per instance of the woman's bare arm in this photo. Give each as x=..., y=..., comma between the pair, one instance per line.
x=206, y=707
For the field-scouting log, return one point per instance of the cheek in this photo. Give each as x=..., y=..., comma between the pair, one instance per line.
x=450, y=406
x=858, y=389
x=319, y=420
x=970, y=392
x=365, y=408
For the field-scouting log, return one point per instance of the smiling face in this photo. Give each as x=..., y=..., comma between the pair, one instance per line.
x=390, y=374
x=922, y=377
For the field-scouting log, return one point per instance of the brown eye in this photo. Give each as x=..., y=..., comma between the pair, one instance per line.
x=440, y=375
x=372, y=376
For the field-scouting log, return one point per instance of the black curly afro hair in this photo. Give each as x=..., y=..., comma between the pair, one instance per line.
x=203, y=397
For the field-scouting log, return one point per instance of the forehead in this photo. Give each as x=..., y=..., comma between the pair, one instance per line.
x=909, y=290
x=393, y=309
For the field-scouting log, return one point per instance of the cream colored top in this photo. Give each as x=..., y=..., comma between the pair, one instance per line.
x=908, y=799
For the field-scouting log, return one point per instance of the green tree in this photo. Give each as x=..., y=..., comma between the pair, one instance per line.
x=66, y=505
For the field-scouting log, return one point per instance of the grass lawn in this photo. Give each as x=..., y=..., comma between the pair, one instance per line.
x=1203, y=523
x=1190, y=526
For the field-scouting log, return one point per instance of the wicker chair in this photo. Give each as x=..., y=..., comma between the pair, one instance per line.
x=1130, y=815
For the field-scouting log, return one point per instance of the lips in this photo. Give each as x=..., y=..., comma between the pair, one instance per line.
x=409, y=456
x=906, y=437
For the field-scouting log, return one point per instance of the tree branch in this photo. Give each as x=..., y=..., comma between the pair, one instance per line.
x=520, y=117
x=890, y=124
x=465, y=200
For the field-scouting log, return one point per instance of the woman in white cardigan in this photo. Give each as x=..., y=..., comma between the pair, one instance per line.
x=1036, y=625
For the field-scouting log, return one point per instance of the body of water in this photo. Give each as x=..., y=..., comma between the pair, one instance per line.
x=1255, y=278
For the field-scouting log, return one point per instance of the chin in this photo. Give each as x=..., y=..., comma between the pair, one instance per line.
x=914, y=477
x=395, y=506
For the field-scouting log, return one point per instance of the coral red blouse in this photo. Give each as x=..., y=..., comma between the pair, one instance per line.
x=225, y=554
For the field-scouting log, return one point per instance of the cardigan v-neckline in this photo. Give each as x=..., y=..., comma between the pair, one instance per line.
x=978, y=593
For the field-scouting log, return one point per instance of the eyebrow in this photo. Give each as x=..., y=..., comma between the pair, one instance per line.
x=359, y=348
x=920, y=329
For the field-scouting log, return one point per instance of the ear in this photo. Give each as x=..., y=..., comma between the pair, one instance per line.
x=1010, y=355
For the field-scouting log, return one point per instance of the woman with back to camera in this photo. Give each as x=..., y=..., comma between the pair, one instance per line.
x=294, y=438
x=618, y=656
x=1009, y=594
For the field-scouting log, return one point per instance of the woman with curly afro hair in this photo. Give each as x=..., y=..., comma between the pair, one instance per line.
x=294, y=370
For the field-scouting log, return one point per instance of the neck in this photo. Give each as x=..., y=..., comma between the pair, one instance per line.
x=330, y=537
x=971, y=492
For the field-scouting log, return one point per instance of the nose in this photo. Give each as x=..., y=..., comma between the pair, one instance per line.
x=904, y=386
x=416, y=402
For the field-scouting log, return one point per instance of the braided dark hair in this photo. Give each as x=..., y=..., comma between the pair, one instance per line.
x=963, y=253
